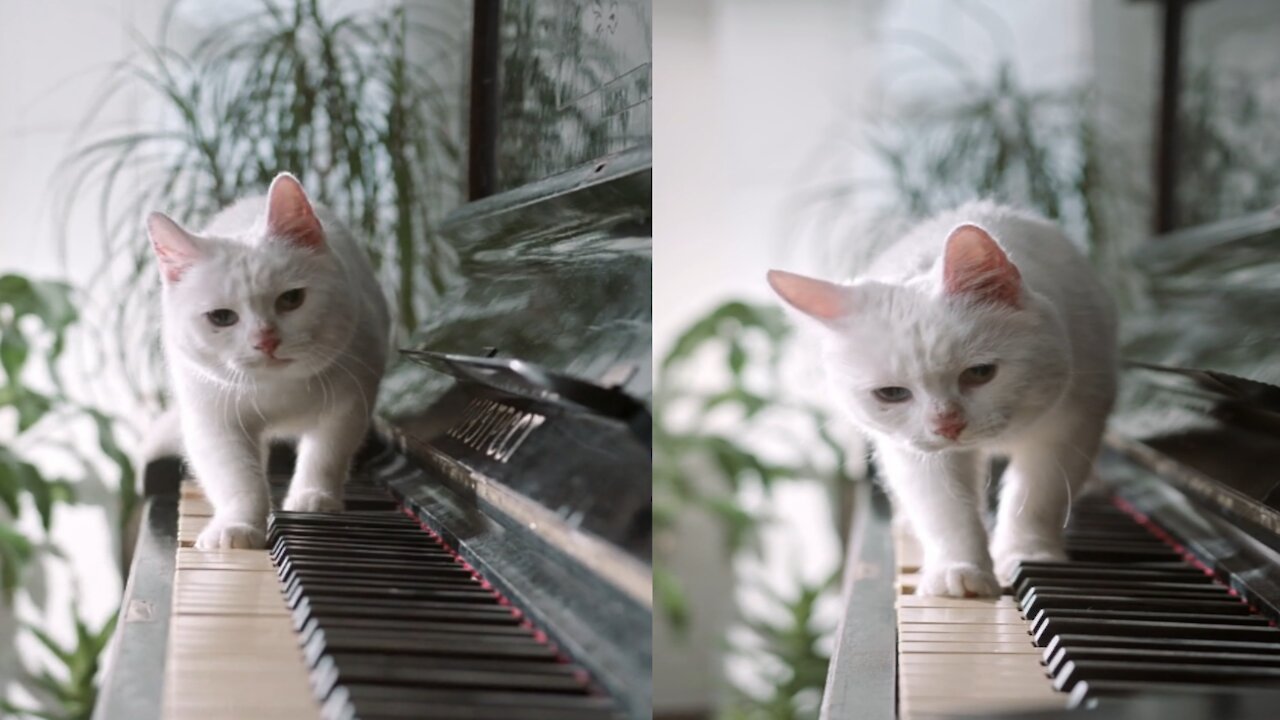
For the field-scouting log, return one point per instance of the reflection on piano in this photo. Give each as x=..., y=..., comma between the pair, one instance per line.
x=494, y=559
x=1167, y=607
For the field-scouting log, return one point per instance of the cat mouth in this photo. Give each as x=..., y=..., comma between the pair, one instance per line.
x=269, y=361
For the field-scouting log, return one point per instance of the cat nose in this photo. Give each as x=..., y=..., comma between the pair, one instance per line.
x=949, y=424
x=266, y=340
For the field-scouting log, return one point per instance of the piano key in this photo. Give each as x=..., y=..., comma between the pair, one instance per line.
x=1073, y=671
x=1036, y=601
x=408, y=611
x=1102, y=553
x=1087, y=690
x=1156, y=616
x=1160, y=656
x=1045, y=574
x=405, y=582
x=1133, y=589
x=1155, y=629
x=1156, y=643
x=339, y=590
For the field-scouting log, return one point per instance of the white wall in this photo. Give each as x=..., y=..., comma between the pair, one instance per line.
x=53, y=61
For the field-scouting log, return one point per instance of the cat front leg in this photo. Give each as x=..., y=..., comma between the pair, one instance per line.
x=324, y=460
x=1045, y=472
x=227, y=463
x=939, y=494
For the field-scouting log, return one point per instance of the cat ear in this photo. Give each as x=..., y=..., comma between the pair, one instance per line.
x=818, y=299
x=976, y=266
x=290, y=216
x=175, y=249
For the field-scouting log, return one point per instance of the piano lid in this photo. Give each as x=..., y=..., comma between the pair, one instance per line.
x=557, y=274
x=1200, y=400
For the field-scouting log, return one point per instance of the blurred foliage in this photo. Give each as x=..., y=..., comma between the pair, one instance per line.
x=787, y=643
x=1228, y=138
x=71, y=687
x=997, y=138
x=347, y=101
x=35, y=318
x=699, y=469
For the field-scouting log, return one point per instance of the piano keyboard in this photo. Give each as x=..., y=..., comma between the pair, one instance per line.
x=232, y=649
x=357, y=614
x=1127, y=613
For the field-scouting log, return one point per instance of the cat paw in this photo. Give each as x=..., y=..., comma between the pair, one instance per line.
x=220, y=535
x=312, y=501
x=1007, y=561
x=957, y=579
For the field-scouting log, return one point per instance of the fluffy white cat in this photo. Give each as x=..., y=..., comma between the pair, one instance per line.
x=981, y=332
x=274, y=327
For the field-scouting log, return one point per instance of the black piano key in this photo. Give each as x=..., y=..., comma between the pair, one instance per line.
x=1086, y=691
x=405, y=582
x=306, y=567
x=1073, y=640
x=511, y=676
x=393, y=624
x=1073, y=671
x=373, y=551
x=1035, y=601
x=424, y=644
x=1121, y=554
x=424, y=565
x=1133, y=589
x=1045, y=574
x=1205, y=657
x=1154, y=629
x=343, y=591
x=407, y=611
x=1045, y=616
x=373, y=703
x=444, y=628
x=392, y=669
x=1179, y=566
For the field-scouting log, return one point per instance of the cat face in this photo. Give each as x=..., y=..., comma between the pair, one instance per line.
x=961, y=358
x=269, y=304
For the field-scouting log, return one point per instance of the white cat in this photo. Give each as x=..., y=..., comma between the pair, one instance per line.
x=981, y=332
x=274, y=326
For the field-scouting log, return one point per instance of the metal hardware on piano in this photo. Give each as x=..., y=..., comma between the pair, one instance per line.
x=1168, y=606
x=494, y=559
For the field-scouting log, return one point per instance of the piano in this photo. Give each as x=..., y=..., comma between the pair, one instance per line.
x=494, y=558
x=1169, y=603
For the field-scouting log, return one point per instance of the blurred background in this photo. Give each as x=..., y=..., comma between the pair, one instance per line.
x=112, y=108
x=797, y=135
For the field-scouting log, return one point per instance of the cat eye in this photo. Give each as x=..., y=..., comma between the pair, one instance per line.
x=222, y=317
x=290, y=300
x=892, y=394
x=978, y=375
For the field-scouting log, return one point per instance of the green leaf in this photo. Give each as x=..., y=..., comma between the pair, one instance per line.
x=31, y=406
x=15, y=552
x=670, y=599
x=13, y=353
x=107, y=442
x=50, y=644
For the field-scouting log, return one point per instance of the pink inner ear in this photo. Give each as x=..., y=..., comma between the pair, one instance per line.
x=976, y=266
x=289, y=214
x=174, y=248
x=815, y=298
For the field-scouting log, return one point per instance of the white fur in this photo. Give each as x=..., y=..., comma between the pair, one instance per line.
x=232, y=399
x=1045, y=409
